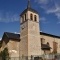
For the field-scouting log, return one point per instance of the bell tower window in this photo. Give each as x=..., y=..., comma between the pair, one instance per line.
x=35, y=18
x=31, y=16
x=22, y=19
x=25, y=16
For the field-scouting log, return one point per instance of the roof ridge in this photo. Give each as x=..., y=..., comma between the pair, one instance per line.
x=12, y=35
x=49, y=34
x=11, y=32
x=6, y=34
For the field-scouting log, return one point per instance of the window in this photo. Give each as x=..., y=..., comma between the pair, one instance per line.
x=25, y=16
x=35, y=18
x=55, y=47
x=48, y=44
x=42, y=40
x=31, y=16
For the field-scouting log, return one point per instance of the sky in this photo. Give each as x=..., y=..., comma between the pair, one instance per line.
x=49, y=12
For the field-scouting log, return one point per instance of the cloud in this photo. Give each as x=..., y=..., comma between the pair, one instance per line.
x=8, y=17
x=42, y=1
x=56, y=11
x=50, y=6
x=43, y=19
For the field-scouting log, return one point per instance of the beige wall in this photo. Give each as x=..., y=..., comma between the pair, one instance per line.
x=24, y=39
x=13, y=48
x=51, y=39
x=30, y=36
x=34, y=43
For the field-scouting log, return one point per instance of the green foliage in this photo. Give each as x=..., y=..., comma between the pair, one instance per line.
x=0, y=44
x=4, y=54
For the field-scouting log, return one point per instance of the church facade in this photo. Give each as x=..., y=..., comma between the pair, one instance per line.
x=30, y=42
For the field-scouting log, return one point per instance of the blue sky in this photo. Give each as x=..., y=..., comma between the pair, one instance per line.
x=49, y=11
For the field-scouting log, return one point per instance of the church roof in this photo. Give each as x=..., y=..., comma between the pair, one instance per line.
x=47, y=34
x=16, y=36
x=29, y=9
x=11, y=35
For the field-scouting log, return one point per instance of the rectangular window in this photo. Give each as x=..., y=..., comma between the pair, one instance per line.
x=25, y=16
x=54, y=47
x=42, y=40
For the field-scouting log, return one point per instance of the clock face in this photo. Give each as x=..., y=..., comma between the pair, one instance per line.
x=22, y=27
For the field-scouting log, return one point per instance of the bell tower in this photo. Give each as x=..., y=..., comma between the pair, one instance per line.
x=30, y=43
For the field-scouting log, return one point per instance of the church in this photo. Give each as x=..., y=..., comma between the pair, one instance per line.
x=30, y=42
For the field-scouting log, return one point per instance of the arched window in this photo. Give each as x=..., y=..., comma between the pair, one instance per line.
x=31, y=16
x=35, y=18
x=48, y=44
x=25, y=16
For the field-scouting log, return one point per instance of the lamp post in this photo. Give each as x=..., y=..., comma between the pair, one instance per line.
x=19, y=50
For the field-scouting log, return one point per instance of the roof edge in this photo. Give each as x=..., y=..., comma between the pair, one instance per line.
x=43, y=33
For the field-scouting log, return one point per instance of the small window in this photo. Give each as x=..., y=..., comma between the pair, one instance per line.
x=22, y=19
x=42, y=40
x=31, y=16
x=35, y=18
x=25, y=16
x=48, y=44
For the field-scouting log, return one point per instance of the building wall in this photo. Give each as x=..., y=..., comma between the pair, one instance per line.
x=51, y=39
x=30, y=45
x=13, y=48
x=24, y=39
x=30, y=35
x=34, y=44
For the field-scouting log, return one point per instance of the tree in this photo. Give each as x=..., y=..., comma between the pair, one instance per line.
x=4, y=54
x=0, y=44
